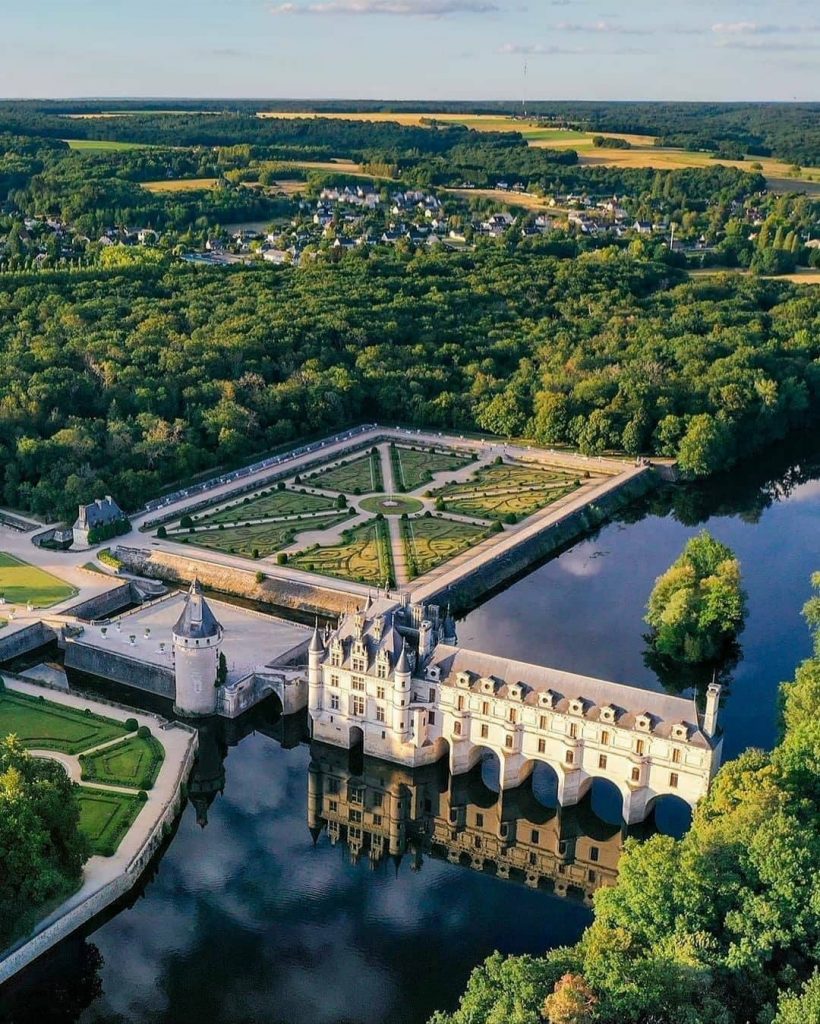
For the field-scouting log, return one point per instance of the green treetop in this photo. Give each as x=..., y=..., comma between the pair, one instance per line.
x=698, y=605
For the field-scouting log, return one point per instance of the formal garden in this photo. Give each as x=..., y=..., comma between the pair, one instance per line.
x=21, y=583
x=362, y=555
x=359, y=475
x=106, y=817
x=41, y=725
x=430, y=541
x=414, y=467
x=259, y=540
x=267, y=504
x=133, y=763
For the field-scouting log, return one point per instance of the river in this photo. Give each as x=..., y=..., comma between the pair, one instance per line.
x=259, y=910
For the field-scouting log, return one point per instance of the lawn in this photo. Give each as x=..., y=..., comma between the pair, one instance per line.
x=260, y=539
x=106, y=817
x=392, y=504
x=429, y=542
x=180, y=185
x=412, y=468
x=364, y=556
x=42, y=725
x=267, y=504
x=21, y=583
x=357, y=476
x=135, y=763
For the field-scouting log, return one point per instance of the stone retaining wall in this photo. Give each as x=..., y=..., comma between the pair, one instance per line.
x=24, y=640
x=274, y=591
x=103, y=605
x=117, y=667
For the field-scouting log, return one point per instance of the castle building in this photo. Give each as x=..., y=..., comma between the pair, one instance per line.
x=392, y=678
x=103, y=515
x=197, y=639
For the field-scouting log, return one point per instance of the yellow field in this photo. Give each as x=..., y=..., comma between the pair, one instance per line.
x=803, y=275
x=180, y=184
x=498, y=195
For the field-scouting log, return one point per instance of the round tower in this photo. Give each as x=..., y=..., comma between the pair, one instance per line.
x=316, y=653
x=401, y=696
x=197, y=638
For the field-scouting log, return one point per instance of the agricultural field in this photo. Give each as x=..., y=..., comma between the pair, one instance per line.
x=103, y=145
x=362, y=475
x=363, y=555
x=429, y=542
x=134, y=763
x=258, y=540
x=180, y=185
x=21, y=583
x=42, y=725
x=105, y=818
x=267, y=505
x=413, y=468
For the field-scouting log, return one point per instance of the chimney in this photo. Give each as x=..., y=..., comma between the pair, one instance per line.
x=710, y=715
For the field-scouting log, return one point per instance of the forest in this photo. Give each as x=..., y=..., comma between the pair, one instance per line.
x=790, y=131
x=124, y=380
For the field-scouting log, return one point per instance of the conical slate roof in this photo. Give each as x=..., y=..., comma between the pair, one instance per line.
x=197, y=621
x=316, y=645
x=403, y=665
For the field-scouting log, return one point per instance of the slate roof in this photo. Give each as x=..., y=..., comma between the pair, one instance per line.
x=629, y=702
x=197, y=621
x=99, y=512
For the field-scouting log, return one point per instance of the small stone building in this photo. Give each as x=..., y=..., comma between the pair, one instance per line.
x=103, y=516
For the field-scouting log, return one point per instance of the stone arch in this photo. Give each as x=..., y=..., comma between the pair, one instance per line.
x=355, y=737
x=491, y=764
x=606, y=798
x=544, y=781
x=670, y=813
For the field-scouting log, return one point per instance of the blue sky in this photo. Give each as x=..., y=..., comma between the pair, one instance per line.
x=405, y=49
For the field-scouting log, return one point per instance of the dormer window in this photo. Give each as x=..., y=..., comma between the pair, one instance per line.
x=643, y=722
x=576, y=706
x=546, y=699
x=487, y=685
x=516, y=692
x=463, y=680
x=433, y=673
x=608, y=713
x=680, y=731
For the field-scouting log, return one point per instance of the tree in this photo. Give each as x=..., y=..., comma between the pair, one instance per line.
x=572, y=1002
x=698, y=605
x=221, y=670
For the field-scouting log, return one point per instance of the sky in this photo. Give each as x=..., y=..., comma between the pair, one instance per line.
x=412, y=49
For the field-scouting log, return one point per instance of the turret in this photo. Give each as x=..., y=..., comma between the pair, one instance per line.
x=197, y=639
x=449, y=630
x=401, y=695
x=316, y=653
x=710, y=715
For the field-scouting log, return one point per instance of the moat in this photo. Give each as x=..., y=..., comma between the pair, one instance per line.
x=253, y=917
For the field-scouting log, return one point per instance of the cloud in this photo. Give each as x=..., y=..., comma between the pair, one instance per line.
x=766, y=45
x=602, y=26
x=540, y=50
x=741, y=28
x=400, y=8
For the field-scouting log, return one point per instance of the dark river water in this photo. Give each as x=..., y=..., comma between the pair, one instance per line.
x=264, y=909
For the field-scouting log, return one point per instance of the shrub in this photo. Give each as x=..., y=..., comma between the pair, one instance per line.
x=428, y=514
x=162, y=533
x=280, y=486
x=498, y=461
x=511, y=518
x=260, y=577
x=281, y=559
x=496, y=527
x=186, y=521
x=142, y=796
x=297, y=479
x=357, y=491
x=131, y=724
x=143, y=732
x=255, y=553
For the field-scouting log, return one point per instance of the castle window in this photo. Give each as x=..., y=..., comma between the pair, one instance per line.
x=640, y=747
x=357, y=684
x=570, y=757
x=432, y=694
x=673, y=780
x=573, y=731
x=381, y=670
x=591, y=875
x=485, y=707
x=378, y=799
x=356, y=794
x=377, y=820
x=602, y=760
x=334, y=678
x=477, y=842
x=431, y=718
x=636, y=774
x=485, y=731
x=543, y=722
x=457, y=728
x=508, y=742
x=535, y=836
x=460, y=704
x=333, y=806
x=334, y=702
x=355, y=816
x=379, y=693
x=676, y=756
x=333, y=786
x=380, y=714
x=604, y=736
x=542, y=746
x=593, y=854
x=479, y=820
x=358, y=664
x=512, y=715
x=358, y=707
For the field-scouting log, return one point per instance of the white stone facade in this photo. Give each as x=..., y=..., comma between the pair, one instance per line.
x=365, y=686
